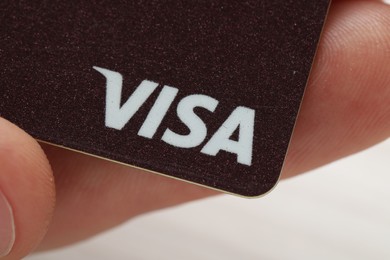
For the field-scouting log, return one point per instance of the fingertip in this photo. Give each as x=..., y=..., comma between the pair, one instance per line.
x=27, y=192
x=346, y=105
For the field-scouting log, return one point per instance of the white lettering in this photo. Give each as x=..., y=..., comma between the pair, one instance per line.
x=158, y=112
x=198, y=129
x=117, y=117
x=242, y=118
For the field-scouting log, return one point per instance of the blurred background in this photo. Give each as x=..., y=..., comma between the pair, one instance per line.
x=340, y=211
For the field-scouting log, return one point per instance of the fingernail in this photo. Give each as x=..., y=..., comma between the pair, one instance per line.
x=7, y=227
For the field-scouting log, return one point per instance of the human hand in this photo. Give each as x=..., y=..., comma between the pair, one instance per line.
x=345, y=109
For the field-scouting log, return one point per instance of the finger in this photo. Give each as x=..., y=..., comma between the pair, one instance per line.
x=94, y=195
x=26, y=192
x=345, y=109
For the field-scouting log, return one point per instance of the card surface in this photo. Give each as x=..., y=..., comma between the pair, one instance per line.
x=204, y=91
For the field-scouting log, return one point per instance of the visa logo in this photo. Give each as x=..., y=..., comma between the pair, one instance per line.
x=241, y=118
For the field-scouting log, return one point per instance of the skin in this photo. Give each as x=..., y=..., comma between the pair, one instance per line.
x=61, y=197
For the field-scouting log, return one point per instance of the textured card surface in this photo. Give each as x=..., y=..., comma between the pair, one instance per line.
x=205, y=91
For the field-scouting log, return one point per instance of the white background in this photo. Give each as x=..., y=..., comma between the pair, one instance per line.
x=341, y=211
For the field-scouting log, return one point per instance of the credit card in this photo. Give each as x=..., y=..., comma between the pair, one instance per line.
x=203, y=91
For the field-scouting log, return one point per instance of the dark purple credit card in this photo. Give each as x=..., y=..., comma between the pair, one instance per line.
x=203, y=91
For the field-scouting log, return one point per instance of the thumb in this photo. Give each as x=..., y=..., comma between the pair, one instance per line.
x=26, y=192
